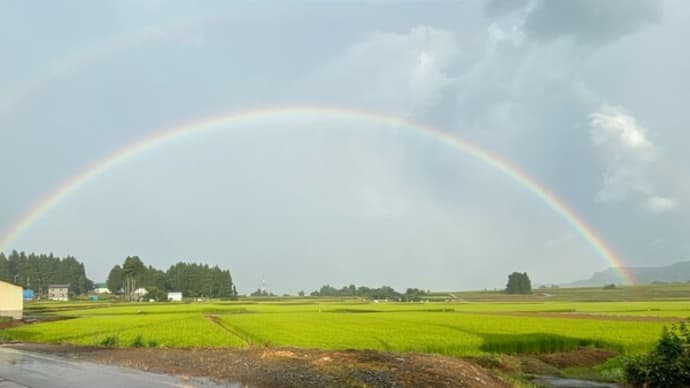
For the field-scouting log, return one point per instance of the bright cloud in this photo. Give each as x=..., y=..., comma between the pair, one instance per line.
x=656, y=204
x=404, y=72
x=613, y=127
x=629, y=155
x=625, y=150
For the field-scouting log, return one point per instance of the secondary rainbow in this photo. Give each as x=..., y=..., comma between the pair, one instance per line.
x=588, y=234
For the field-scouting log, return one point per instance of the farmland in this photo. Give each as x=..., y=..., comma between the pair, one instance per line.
x=471, y=325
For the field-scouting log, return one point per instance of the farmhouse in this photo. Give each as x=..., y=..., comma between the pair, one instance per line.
x=175, y=296
x=11, y=300
x=58, y=292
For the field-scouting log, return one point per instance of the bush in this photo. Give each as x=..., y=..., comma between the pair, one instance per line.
x=110, y=341
x=667, y=365
x=156, y=294
x=489, y=361
x=537, y=343
x=5, y=337
x=138, y=342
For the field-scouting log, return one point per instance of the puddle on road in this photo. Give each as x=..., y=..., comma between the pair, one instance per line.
x=555, y=381
x=30, y=369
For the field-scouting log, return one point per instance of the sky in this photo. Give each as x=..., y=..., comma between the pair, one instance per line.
x=587, y=97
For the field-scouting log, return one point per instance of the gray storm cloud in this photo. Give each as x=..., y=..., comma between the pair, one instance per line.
x=590, y=22
x=494, y=8
x=539, y=83
x=404, y=73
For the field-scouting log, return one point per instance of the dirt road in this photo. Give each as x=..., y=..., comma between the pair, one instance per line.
x=286, y=367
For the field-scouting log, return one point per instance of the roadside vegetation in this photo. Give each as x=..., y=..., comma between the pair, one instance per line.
x=667, y=365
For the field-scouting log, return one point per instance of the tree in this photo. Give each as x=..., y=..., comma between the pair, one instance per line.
x=37, y=271
x=131, y=269
x=667, y=365
x=115, y=280
x=383, y=292
x=197, y=280
x=260, y=292
x=156, y=294
x=518, y=283
x=413, y=295
x=4, y=267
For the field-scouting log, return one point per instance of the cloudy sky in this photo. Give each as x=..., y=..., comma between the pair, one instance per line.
x=588, y=97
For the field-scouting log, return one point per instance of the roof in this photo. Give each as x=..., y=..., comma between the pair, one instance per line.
x=59, y=285
x=11, y=284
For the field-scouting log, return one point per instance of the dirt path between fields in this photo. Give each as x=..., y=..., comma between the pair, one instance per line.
x=216, y=321
x=290, y=367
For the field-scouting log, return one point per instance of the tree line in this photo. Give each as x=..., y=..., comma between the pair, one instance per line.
x=192, y=279
x=383, y=292
x=37, y=272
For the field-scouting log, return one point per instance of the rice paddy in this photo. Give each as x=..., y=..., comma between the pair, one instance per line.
x=451, y=328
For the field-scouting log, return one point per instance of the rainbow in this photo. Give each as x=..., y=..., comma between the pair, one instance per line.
x=587, y=233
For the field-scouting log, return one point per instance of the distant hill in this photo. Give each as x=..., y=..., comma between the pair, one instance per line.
x=677, y=272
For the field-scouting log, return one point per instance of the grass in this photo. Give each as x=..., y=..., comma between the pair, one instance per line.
x=611, y=370
x=677, y=291
x=474, y=323
x=482, y=325
x=173, y=330
x=457, y=329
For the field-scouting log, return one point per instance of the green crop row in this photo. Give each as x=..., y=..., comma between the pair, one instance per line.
x=445, y=328
x=679, y=309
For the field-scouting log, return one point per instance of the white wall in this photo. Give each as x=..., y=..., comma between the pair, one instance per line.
x=175, y=296
x=11, y=300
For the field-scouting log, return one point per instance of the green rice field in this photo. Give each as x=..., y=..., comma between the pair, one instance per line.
x=463, y=327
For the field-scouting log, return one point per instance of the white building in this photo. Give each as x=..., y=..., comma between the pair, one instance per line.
x=139, y=293
x=58, y=292
x=101, y=288
x=11, y=300
x=175, y=296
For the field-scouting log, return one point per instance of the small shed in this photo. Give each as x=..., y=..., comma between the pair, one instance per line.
x=11, y=300
x=58, y=292
x=28, y=294
x=175, y=296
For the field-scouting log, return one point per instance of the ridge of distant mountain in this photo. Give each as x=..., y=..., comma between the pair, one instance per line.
x=676, y=272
